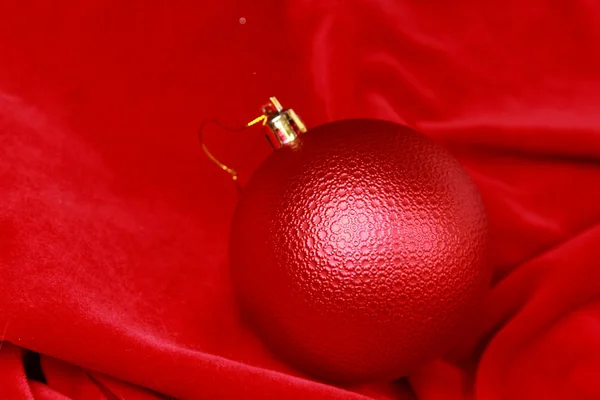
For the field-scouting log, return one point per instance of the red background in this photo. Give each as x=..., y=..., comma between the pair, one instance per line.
x=114, y=226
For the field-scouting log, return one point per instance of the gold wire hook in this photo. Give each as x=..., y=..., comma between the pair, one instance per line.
x=234, y=175
x=224, y=167
x=284, y=128
x=262, y=118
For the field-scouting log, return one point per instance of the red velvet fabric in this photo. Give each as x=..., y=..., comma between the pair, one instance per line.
x=114, y=226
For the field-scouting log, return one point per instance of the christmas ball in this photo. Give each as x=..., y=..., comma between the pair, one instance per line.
x=357, y=251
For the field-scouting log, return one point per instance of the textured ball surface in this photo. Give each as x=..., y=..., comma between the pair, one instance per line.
x=358, y=253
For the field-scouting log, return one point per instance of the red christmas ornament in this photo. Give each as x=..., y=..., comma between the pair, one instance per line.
x=357, y=248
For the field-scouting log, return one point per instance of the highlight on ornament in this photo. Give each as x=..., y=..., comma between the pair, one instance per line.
x=357, y=247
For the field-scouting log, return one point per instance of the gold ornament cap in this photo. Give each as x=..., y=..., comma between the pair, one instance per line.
x=284, y=125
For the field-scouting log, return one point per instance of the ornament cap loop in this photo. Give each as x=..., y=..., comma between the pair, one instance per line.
x=284, y=125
